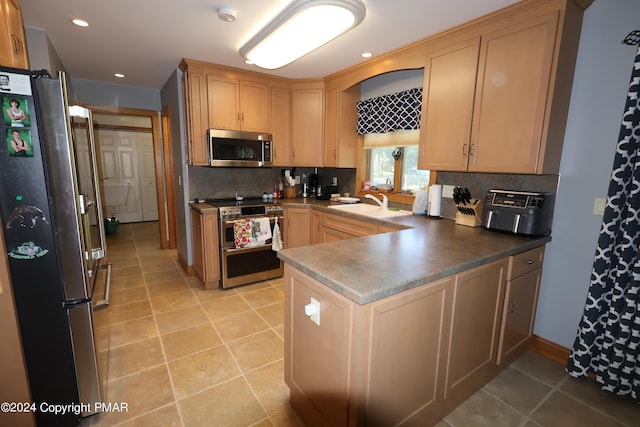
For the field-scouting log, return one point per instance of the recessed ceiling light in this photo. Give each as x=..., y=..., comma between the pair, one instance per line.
x=119, y=75
x=366, y=54
x=80, y=22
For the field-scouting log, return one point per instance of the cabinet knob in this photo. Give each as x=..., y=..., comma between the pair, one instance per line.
x=529, y=261
x=464, y=149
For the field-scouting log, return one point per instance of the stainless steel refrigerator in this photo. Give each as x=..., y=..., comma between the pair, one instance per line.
x=50, y=213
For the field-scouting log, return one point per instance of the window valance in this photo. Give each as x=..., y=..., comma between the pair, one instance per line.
x=389, y=113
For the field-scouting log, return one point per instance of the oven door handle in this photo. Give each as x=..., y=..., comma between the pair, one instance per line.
x=247, y=249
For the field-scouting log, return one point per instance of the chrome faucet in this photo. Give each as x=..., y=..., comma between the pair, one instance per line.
x=384, y=204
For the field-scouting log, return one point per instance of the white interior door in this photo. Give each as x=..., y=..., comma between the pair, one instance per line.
x=146, y=166
x=124, y=160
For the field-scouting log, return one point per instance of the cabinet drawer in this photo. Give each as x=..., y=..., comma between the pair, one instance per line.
x=348, y=225
x=525, y=262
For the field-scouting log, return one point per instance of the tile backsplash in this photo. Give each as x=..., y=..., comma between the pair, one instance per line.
x=219, y=183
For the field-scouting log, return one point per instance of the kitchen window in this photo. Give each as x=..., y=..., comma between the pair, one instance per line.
x=392, y=161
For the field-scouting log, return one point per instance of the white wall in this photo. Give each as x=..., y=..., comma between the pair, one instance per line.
x=598, y=96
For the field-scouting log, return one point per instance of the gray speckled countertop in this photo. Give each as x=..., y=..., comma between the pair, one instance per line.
x=366, y=269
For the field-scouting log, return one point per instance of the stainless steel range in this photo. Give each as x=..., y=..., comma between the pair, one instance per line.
x=240, y=266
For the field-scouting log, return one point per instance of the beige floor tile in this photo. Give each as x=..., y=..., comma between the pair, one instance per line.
x=622, y=408
x=163, y=276
x=273, y=314
x=125, y=271
x=129, y=295
x=180, y=319
x=191, y=340
x=263, y=297
x=125, y=333
x=230, y=404
x=173, y=301
x=481, y=409
x=251, y=287
x=280, y=331
x=257, y=350
x=167, y=288
x=560, y=410
x=287, y=418
x=143, y=392
x=220, y=308
x=541, y=368
x=268, y=384
x=199, y=371
x=126, y=282
x=130, y=358
x=166, y=416
x=517, y=390
x=240, y=325
x=122, y=313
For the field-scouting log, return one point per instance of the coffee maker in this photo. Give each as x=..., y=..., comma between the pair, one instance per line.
x=313, y=182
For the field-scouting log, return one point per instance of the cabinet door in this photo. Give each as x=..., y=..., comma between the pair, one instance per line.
x=223, y=101
x=13, y=47
x=212, y=251
x=316, y=227
x=254, y=107
x=298, y=222
x=317, y=356
x=307, y=123
x=511, y=96
x=197, y=246
x=447, y=109
x=517, y=316
x=475, y=325
x=331, y=128
x=195, y=94
x=281, y=126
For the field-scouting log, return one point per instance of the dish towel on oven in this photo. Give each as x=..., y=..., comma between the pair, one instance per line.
x=251, y=232
x=276, y=242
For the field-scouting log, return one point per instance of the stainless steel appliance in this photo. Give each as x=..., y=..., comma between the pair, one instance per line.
x=51, y=217
x=518, y=212
x=239, y=149
x=240, y=266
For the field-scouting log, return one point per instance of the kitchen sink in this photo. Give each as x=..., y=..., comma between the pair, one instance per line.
x=372, y=211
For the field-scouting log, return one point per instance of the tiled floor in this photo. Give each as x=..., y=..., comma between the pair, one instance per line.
x=178, y=355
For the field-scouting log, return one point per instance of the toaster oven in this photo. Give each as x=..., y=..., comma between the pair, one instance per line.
x=518, y=212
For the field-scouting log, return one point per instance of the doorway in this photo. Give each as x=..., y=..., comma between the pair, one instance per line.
x=133, y=163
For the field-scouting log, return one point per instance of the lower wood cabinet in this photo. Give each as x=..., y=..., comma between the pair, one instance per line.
x=518, y=315
x=336, y=227
x=408, y=359
x=205, y=248
x=297, y=226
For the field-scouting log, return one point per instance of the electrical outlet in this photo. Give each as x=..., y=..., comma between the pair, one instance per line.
x=599, y=203
x=447, y=191
x=297, y=179
x=334, y=181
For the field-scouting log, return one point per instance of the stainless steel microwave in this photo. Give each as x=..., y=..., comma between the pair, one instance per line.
x=228, y=148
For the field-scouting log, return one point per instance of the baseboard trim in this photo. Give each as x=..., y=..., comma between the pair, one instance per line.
x=549, y=349
x=185, y=266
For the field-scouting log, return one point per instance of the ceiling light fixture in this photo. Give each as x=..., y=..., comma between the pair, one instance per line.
x=366, y=54
x=303, y=26
x=119, y=75
x=80, y=22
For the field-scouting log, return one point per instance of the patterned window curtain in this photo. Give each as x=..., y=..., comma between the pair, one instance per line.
x=608, y=339
x=388, y=113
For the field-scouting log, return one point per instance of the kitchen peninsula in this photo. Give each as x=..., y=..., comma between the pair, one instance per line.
x=411, y=322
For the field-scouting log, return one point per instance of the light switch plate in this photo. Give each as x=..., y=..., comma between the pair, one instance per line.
x=447, y=191
x=599, y=203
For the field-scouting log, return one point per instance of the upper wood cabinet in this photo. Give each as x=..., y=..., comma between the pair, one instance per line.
x=238, y=105
x=502, y=125
x=13, y=46
x=340, y=138
x=281, y=125
x=448, y=92
x=196, y=111
x=307, y=124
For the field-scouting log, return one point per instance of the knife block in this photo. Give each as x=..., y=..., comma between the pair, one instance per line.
x=469, y=214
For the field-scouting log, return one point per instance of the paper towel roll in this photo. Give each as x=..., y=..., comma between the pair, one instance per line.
x=435, y=199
